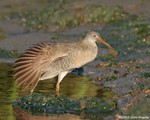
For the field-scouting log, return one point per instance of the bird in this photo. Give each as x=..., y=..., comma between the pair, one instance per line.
x=47, y=60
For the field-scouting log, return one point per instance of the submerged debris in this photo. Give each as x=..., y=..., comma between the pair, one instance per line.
x=113, y=52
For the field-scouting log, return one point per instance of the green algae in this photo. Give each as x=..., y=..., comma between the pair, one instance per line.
x=144, y=75
x=129, y=37
x=8, y=54
x=61, y=17
x=43, y=105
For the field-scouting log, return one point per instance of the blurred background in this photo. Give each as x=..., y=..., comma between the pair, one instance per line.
x=125, y=25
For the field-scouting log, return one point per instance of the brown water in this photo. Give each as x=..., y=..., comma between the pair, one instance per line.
x=72, y=86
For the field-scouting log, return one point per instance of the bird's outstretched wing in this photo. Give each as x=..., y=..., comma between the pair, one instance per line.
x=30, y=65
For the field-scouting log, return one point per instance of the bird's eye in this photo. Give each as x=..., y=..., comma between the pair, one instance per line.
x=94, y=36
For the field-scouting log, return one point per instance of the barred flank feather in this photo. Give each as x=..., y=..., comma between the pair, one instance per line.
x=25, y=72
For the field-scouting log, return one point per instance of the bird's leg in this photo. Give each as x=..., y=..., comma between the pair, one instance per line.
x=57, y=86
x=33, y=85
x=60, y=77
x=31, y=91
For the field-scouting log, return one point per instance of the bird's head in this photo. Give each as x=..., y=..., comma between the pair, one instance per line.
x=95, y=37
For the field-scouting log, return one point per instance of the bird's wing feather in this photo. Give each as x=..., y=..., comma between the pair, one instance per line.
x=31, y=64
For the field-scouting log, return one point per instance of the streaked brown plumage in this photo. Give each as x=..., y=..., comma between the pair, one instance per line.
x=47, y=60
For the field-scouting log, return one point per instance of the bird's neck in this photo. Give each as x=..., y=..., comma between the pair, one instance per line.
x=88, y=42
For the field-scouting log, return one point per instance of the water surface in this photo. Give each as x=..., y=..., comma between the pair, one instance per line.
x=73, y=86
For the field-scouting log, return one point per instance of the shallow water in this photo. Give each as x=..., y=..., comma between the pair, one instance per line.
x=72, y=86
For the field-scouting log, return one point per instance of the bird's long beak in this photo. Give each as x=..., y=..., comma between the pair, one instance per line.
x=112, y=51
x=102, y=41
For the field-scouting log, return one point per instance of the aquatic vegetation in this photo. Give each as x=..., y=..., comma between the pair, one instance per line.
x=8, y=54
x=107, y=57
x=138, y=25
x=144, y=75
x=41, y=105
x=129, y=37
x=134, y=68
x=60, y=17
